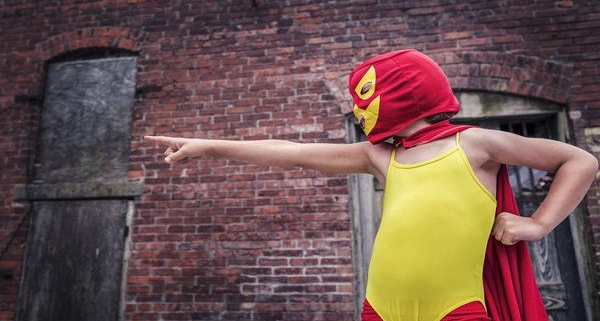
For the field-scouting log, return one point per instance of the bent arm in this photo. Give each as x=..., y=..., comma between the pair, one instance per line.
x=332, y=158
x=574, y=168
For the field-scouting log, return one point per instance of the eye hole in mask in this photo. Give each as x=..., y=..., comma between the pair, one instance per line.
x=366, y=87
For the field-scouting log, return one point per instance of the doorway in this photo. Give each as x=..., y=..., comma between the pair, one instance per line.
x=559, y=259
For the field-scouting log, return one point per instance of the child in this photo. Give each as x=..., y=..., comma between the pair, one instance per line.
x=440, y=190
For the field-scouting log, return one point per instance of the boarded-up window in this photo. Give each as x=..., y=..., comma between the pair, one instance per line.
x=74, y=263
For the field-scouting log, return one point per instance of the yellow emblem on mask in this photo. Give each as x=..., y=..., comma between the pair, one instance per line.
x=365, y=89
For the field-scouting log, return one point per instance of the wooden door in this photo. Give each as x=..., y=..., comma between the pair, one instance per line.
x=553, y=257
x=76, y=248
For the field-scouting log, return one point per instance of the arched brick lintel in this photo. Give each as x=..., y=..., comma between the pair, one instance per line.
x=507, y=73
x=94, y=37
x=494, y=72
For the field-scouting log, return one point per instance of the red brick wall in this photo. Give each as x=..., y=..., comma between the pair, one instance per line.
x=218, y=240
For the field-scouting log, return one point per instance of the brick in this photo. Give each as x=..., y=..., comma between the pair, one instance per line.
x=241, y=72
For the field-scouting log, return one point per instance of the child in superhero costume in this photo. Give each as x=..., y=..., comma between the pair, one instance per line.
x=449, y=246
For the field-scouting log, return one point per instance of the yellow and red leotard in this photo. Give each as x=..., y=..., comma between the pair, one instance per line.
x=429, y=251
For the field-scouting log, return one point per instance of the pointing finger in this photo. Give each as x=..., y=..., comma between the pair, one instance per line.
x=164, y=140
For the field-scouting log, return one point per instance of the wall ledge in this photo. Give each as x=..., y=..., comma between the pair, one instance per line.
x=86, y=190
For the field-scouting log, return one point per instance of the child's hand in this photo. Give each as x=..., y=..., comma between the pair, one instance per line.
x=510, y=229
x=177, y=148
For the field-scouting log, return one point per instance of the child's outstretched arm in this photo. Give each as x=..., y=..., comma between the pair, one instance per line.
x=332, y=158
x=574, y=168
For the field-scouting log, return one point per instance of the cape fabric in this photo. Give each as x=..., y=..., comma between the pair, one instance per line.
x=511, y=292
x=430, y=133
x=509, y=283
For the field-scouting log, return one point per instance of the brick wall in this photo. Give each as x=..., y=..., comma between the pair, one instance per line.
x=218, y=240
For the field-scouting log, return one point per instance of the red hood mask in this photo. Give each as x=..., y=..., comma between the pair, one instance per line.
x=395, y=89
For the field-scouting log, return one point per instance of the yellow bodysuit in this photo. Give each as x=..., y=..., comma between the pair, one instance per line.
x=428, y=254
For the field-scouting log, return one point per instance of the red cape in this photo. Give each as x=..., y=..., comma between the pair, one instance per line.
x=511, y=292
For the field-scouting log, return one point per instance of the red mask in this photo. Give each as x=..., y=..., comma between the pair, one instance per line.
x=393, y=90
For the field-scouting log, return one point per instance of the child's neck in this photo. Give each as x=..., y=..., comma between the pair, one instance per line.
x=414, y=127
